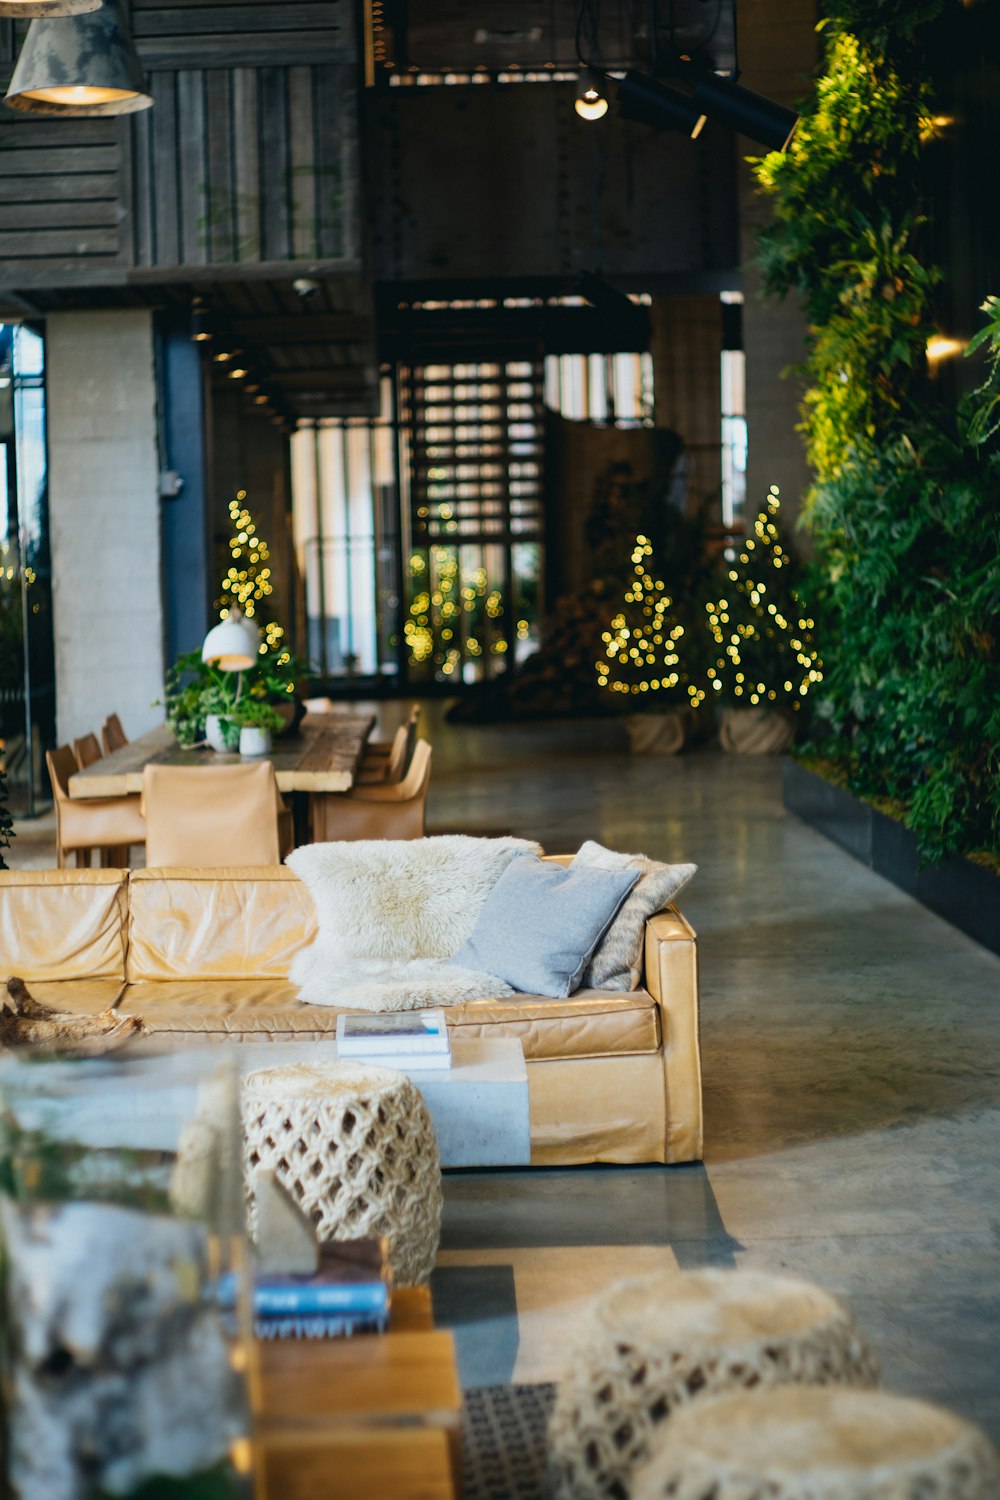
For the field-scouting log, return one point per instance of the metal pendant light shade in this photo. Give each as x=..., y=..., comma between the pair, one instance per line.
x=29, y=10
x=749, y=114
x=79, y=65
x=651, y=102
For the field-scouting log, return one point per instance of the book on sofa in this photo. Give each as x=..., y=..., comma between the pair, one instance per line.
x=394, y=1033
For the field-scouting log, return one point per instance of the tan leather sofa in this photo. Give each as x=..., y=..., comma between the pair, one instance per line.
x=203, y=955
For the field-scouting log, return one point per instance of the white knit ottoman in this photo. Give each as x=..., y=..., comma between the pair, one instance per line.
x=355, y=1147
x=802, y=1443
x=651, y=1345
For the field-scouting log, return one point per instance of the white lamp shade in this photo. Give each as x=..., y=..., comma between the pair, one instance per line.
x=231, y=645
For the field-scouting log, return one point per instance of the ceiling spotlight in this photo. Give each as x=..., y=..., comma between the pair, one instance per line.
x=201, y=327
x=750, y=114
x=591, y=101
x=657, y=104
x=222, y=356
x=238, y=373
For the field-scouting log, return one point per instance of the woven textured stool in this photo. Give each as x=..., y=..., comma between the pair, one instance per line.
x=355, y=1147
x=653, y=1344
x=802, y=1443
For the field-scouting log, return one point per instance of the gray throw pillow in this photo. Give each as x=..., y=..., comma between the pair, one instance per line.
x=617, y=962
x=541, y=922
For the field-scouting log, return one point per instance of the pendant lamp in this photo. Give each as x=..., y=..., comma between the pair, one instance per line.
x=232, y=645
x=79, y=66
x=30, y=10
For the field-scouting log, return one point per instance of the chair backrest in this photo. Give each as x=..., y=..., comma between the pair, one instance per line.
x=417, y=778
x=87, y=750
x=395, y=766
x=207, y=816
x=113, y=736
x=62, y=765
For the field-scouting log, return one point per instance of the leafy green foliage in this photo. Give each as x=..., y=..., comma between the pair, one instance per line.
x=844, y=236
x=902, y=511
x=913, y=547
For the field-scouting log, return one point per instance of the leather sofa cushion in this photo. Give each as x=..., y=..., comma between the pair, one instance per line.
x=63, y=924
x=217, y=924
x=591, y=1023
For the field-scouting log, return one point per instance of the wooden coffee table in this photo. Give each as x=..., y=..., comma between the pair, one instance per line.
x=377, y=1414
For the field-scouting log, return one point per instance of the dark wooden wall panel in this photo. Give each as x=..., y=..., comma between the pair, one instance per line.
x=247, y=33
x=237, y=166
x=59, y=192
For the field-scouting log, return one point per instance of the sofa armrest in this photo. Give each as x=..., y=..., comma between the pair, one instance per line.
x=671, y=977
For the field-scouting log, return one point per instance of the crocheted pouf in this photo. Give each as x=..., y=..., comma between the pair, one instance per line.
x=650, y=1345
x=802, y=1443
x=355, y=1147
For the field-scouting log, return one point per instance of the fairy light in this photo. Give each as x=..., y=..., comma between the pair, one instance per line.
x=248, y=579
x=764, y=657
x=642, y=647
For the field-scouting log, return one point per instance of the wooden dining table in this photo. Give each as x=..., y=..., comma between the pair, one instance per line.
x=319, y=758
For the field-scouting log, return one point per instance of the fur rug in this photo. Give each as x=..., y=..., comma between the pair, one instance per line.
x=391, y=913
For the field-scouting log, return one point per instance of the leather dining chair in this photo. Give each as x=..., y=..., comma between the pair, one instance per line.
x=387, y=761
x=210, y=816
x=378, y=812
x=108, y=824
x=113, y=736
x=87, y=750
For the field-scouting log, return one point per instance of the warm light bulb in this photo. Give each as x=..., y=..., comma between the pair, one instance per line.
x=76, y=96
x=591, y=106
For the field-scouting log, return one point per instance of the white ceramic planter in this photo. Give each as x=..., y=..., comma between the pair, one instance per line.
x=254, y=741
x=215, y=736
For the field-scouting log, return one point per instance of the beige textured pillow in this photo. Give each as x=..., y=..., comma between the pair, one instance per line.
x=617, y=964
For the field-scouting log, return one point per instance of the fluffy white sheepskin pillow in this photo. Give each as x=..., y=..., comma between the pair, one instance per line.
x=390, y=912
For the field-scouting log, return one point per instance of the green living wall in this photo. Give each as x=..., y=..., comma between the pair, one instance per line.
x=904, y=511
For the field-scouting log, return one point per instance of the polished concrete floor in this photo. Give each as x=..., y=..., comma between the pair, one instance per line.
x=852, y=1077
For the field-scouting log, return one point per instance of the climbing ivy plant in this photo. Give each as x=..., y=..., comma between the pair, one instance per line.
x=845, y=236
x=902, y=509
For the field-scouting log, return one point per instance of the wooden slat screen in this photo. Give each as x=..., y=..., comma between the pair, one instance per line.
x=246, y=165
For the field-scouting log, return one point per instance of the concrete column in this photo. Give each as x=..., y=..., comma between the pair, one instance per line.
x=778, y=53
x=104, y=512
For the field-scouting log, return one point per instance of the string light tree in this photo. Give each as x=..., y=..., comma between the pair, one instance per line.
x=646, y=660
x=766, y=663
x=246, y=587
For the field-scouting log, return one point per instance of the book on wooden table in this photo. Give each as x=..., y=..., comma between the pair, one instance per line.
x=352, y=1282
x=361, y=1034
x=320, y=1326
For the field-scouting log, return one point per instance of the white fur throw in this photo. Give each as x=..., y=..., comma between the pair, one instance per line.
x=390, y=912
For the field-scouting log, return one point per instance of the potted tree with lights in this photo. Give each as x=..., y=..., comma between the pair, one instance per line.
x=646, y=660
x=765, y=662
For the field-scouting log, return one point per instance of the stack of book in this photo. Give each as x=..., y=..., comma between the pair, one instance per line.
x=349, y=1293
x=412, y=1040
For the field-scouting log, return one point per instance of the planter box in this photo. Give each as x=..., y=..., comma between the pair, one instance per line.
x=963, y=893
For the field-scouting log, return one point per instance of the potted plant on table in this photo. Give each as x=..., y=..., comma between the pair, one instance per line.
x=257, y=721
